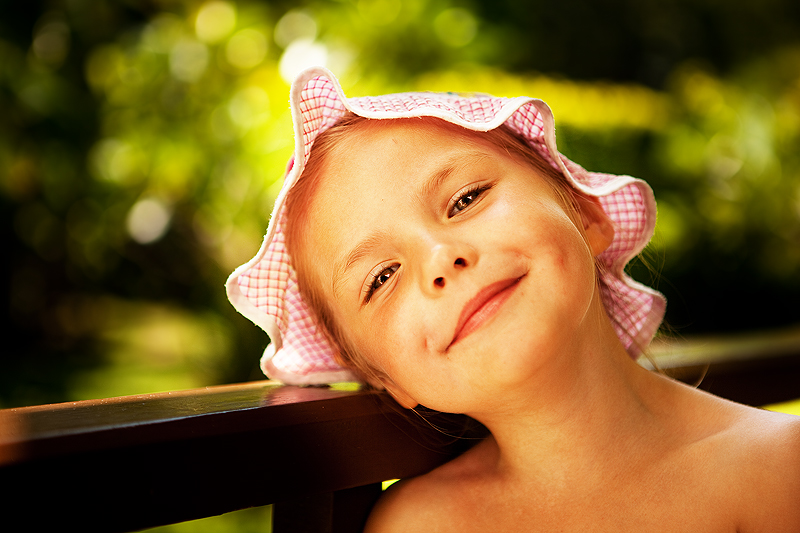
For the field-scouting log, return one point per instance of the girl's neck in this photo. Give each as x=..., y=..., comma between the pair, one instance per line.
x=594, y=408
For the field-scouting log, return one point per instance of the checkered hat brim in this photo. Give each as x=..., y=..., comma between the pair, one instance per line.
x=265, y=289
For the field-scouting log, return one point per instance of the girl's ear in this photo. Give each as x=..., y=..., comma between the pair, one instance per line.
x=399, y=395
x=597, y=227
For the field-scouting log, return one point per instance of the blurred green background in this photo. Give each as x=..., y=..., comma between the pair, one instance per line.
x=142, y=143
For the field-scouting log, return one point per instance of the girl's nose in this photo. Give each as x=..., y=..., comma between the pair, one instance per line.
x=444, y=264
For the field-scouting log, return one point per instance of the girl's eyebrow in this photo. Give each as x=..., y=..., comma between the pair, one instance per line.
x=448, y=167
x=361, y=250
x=432, y=184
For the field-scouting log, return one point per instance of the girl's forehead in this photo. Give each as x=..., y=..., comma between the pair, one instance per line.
x=421, y=128
x=358, y=123
x=413, y=142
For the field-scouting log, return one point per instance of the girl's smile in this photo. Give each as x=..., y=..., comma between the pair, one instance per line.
x=482, y=307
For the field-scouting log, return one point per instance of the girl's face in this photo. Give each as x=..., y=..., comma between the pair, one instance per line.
x=453, y=267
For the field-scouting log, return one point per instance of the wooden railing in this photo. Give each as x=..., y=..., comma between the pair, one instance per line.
x=123, y=464
x=319, y=455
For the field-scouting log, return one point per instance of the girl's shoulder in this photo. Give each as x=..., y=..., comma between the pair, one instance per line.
x=756, y=460
x=409, y=505
x=432, y=502
x=732, y=431
x=770, y=466
x=765, y=438
x=747, y=464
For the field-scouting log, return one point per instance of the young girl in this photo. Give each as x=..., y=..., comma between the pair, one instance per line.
x=438, y=246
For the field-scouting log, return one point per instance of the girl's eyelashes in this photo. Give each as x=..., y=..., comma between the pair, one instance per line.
x=377, y=278
x=463, y=200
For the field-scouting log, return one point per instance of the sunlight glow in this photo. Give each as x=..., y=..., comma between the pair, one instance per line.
x=300, y=55
x=249, y=107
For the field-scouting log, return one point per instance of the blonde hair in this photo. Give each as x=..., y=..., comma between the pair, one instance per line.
x=298, y=203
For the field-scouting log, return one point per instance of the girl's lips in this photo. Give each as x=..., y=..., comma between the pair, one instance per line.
x=482, y=307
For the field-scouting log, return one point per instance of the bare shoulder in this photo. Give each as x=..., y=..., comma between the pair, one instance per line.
x=773, y=440
x=434, y=502
x=769, y=470
x=747, y=458
x=405, y=506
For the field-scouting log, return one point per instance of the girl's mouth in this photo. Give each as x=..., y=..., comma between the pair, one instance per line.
x=482, y=307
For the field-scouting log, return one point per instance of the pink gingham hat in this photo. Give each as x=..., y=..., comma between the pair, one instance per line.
x=265, y=289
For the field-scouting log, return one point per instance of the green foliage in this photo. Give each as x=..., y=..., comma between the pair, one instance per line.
x=142, y=144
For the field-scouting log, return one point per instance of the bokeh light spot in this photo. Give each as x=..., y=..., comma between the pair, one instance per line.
x=148, y=220
x=115, y=161
x=295, y=25
x=188, y=60
x=246, y=49
x=215, y=21
x=51, y=43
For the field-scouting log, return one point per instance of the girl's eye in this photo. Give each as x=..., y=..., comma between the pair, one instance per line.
x=465, y=200
x=376, y=281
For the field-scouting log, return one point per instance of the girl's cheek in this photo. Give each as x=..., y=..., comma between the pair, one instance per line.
x=499, y=214
x=378, y=335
